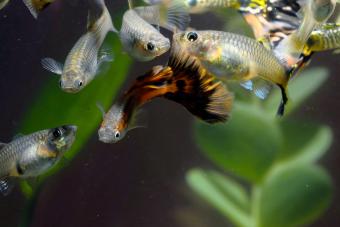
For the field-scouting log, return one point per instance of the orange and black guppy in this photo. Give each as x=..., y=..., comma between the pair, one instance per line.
x=183, y=81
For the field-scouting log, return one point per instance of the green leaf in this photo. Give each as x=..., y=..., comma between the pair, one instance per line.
x=299, y=89
x=304, y=142
x=53, y=107
x=246, y=146
x=223, y=193
x=294, y=196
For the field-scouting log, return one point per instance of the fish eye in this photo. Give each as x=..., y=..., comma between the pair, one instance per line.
x=79, y=83
x=57, y=133
x=150, y=46
x=192, y=2
x=192, y=36
x=117, y=135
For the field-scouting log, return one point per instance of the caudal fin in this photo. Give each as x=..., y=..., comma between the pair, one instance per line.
x=198, y=90
x=35, y=7
x=99, y=19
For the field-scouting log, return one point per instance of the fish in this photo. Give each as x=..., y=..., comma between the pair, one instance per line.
x=140, y=39
x=183, y=81
x=85, y=58
x=36, y=6
x=32, y=155
x=315, y=13
x=326, y=37
x=233, y=57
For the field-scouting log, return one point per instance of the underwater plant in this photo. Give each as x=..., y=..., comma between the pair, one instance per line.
x=276, y=157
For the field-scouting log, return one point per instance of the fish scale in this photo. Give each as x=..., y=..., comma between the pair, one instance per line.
x=13, y=151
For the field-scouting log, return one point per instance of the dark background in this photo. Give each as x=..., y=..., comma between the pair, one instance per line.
x=139, y=181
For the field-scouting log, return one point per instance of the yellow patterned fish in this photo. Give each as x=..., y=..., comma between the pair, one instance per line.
x=315, y=13
x=34, y=154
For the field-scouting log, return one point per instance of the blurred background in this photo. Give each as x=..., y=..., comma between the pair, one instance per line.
x=142, y=180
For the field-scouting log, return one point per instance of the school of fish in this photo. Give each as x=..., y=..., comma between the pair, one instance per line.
x=201, y=65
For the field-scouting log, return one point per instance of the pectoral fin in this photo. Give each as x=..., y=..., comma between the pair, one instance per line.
x=260, y=87
x=52, y=65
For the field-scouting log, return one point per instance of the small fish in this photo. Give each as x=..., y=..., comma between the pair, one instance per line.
x=143, y=41
x=235, y=57
x=84, y=60
x=182, y=81
x=315, y=13
x=327, y=37
x=34, y=154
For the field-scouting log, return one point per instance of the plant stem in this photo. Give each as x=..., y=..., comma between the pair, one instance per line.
x=255, y=204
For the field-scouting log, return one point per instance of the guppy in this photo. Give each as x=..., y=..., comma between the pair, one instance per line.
x=183, y=81
x=34, y=154
x=34, y=6
x=315, y=13
x=327, y=37
x=143, y=41
x=83, y=61
x=235, y=57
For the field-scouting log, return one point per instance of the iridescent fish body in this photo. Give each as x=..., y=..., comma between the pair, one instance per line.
x=235, y=57
x=34, y=154
x=327, y=37
x=84, y=60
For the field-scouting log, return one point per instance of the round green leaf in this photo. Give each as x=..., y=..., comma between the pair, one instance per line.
x=304, y=141
x=223, y=193
x=246, y=145
x=294, y=196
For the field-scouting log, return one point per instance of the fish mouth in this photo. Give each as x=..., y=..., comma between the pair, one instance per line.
x=163, y=47
x=106, y=136
x=71, y=90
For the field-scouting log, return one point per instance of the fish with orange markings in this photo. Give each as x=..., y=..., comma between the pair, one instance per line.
x=34, y=154
x=183, y=81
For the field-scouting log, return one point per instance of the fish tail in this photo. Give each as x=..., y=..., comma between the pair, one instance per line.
x=174, y=15
x=198, y=91
x=31, y=7
x=99, y=19
x=3, y=4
